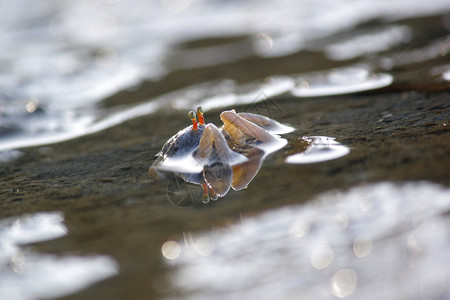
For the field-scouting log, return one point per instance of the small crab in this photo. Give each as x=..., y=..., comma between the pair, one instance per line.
x=221, y=158
x=196, y=146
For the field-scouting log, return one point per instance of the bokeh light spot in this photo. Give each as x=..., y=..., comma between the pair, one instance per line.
x=205, y=246
x=343, y=283
x=31, y=106
x=362, y=245
x=341, y=221
x=299, y=228
x=321, y=257
x=171, y=250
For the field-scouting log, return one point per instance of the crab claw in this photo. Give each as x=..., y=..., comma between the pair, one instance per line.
x=213, y=148
x=242, y=131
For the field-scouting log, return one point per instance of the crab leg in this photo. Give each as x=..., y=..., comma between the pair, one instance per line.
x=244, y=173
x=260, y=120
x=238, y=128
x=272, y=126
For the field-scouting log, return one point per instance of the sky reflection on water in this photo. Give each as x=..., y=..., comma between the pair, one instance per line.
x=340, y=81
x=379, y=241
x=28, y=275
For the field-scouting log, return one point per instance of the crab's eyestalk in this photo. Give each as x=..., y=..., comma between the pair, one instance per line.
x=193, y=118
x=201, y=119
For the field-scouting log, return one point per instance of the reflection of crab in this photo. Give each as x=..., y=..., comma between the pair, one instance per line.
x=220, y=158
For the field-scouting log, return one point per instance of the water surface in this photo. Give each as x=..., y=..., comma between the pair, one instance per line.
x=346, y=244
x=28, y=275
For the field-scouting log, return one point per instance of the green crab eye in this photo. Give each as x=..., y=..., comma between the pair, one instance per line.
x=192, y=115
x=200, y=110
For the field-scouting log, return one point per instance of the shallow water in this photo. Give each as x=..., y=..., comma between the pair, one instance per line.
x=352, y=204
x=29, y=275
x=342, y=244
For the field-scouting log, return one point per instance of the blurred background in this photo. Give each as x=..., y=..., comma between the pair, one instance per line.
x=63, y=63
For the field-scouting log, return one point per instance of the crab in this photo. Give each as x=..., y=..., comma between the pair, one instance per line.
x=218, y=159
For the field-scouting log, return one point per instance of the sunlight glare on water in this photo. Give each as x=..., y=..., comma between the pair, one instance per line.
x=321, y=256
x=344, y=283
x=321, y=148
x=37, y=228
x=340, y=81
x=369, y=43
x=362, y=245
x=382, y=253
x=233, y=94
x=171, y=250
x=27, y=275
x=446, y=75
